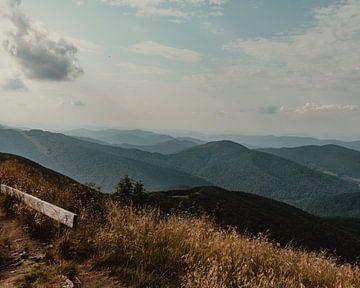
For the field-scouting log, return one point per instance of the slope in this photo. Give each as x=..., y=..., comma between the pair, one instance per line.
x=168, y=147
x=117, y=137
x=247, y=212
x=254, y=214
x=91, y=162
x=271, y=141
x=333, y=159
x=235, y=167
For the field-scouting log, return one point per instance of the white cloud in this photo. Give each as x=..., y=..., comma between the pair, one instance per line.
x=172, y=8
x=313, y=108
x=134, y=68
x=168, y=52
x=310, y=107
x=35, y=50
x=329, y=50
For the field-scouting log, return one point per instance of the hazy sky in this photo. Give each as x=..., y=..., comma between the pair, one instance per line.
x=246, y=66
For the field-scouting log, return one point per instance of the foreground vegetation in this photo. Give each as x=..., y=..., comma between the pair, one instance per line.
x=143, y=248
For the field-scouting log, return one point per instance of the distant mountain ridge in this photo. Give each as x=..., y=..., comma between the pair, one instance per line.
x=224, y=163
x=137, y=139
x=91, y=162
x=334, y=159
x=342, y=205
x=168, y=147
x=236, y=167
x=271, y=141
x=245, y=212
x=118, y=137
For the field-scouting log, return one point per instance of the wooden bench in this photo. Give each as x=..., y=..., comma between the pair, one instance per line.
x=59, y=214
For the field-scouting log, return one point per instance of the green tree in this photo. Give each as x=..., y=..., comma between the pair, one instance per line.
x=125, y=187
x=127, y=190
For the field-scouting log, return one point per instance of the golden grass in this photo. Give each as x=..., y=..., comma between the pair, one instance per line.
x=143, y=249
x=190, y=252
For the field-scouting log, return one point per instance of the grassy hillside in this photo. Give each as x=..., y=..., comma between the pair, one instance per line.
x=335, y=159
x=235, y=167
x=254, y=214
x=144, y=249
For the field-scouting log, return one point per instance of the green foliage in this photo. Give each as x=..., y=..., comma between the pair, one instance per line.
x=127, y=190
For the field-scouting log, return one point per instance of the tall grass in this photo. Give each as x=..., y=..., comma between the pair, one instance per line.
x=144, y=249
x=148, y=251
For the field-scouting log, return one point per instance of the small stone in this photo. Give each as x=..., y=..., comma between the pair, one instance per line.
x=68, y=284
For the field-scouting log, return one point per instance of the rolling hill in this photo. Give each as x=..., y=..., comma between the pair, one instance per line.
x=91, y=162
x=234, y=167
x=168, y=147
x=332, y=159
x=246, y=212
x=118, y=137
x=224, y=164
x=342, y=205
x=254, y=214
x=271, y=141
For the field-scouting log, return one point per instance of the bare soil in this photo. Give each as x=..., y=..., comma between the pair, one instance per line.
x=25, y=255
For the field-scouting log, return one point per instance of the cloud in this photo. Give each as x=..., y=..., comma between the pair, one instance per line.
x=271, y=109
x=168, y=52
x=133, y=68
x=310, y=107
x=328, y=50
x=15, y=84
x=78, y=103
x=37, y=53
x=172, y=8
x=313, y=108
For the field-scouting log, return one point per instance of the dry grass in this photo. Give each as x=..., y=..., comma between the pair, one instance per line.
x=143, y=249
x=139, y=246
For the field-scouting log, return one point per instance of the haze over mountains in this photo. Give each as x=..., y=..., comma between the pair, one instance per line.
x=222, y=163
x=141, y=139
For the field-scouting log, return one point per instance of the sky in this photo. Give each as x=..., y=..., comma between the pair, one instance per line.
x=283, y=67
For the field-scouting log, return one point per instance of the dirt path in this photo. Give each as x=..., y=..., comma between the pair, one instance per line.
x=26, y=256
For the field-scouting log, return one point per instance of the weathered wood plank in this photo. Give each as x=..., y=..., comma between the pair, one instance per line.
x=59, y=214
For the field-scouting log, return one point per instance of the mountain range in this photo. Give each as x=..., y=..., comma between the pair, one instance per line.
x=224, y=163
x=248, y=213
x=149, y=141
x=331, y=159
x=271, y=141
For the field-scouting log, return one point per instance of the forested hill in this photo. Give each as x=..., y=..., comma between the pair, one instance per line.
x=223, y=163
x=334, y=159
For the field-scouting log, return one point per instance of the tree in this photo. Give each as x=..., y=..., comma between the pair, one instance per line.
x=128, y=190
x=125, y=187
